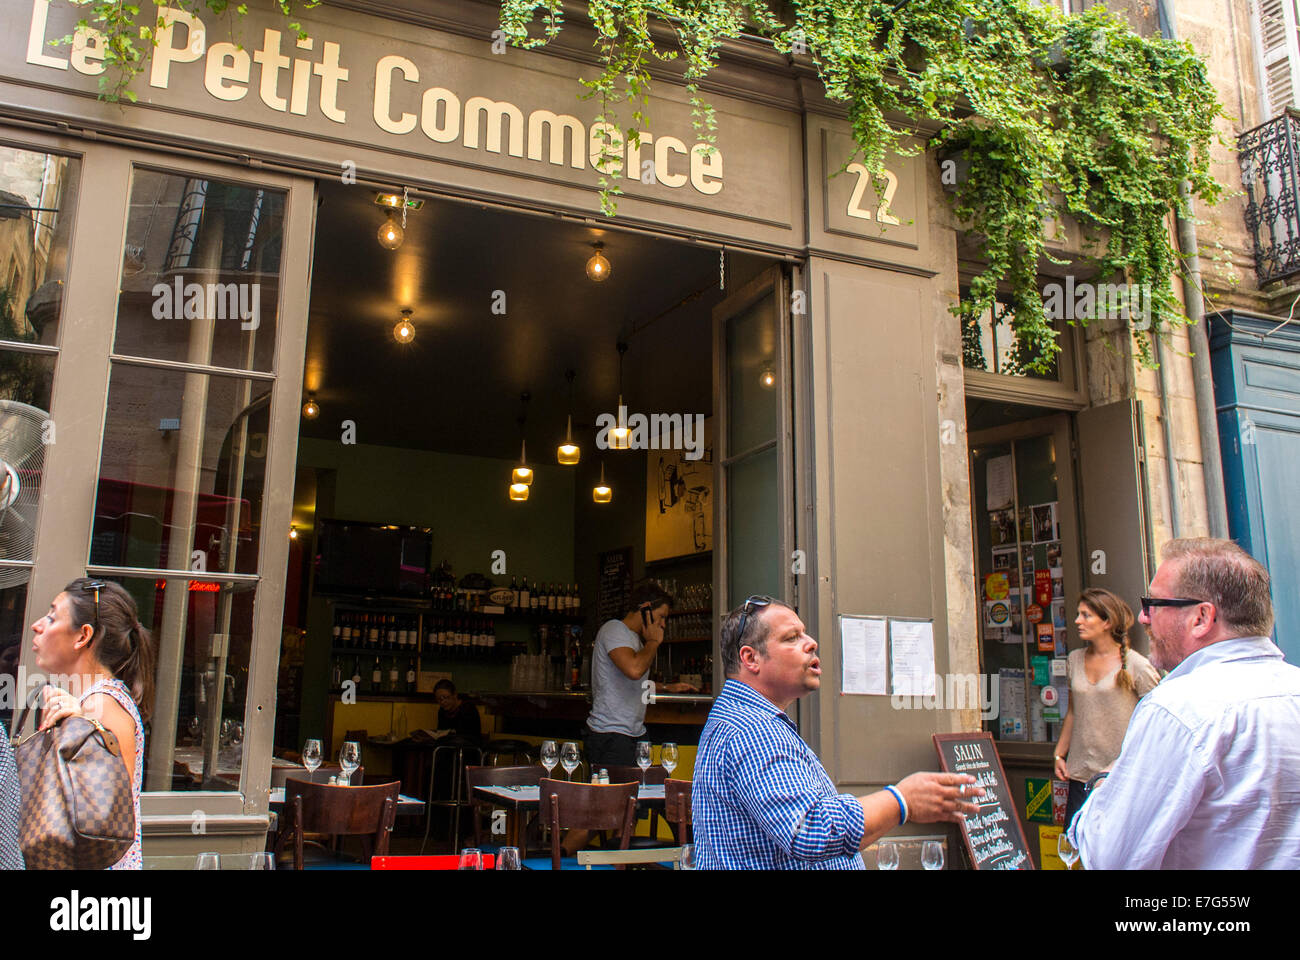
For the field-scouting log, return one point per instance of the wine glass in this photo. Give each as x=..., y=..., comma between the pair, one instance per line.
x=686, y=859
x=932, y=855
x=887, y=856
x=227, y=730
x=208, y=861
x=569, y=758
x=643, y=758
x=550, y=755
x=470, y=859
x=350, y=758
x=1067, y=851
x=261, y=861
x=195, y=728
x=668, y=757
x=508, y=858
x=311, y=758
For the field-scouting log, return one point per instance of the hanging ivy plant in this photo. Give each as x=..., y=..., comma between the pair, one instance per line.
x=1051, y=116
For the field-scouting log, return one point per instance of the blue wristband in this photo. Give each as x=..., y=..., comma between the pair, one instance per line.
x=902, y=805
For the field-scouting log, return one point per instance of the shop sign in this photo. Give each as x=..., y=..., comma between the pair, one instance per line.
x=1043, y=587
x=1038, y=800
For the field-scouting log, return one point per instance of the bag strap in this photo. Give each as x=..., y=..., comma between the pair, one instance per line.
x=17, y=732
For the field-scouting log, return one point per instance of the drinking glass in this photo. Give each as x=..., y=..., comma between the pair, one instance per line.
x=668, y=757
x=196, y=727
x=932, y=855
x=311, y=754
x=227, y=730
x=550, y=755
x=643, y=758
x=470, y=859
x=1067, y=850
x=508, y=858
x=261, y=861
x=208, y=861
x=887, y=856
x=686, y=860
x=569, y=758
x=350, y=758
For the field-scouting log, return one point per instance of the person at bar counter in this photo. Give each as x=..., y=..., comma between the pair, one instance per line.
x=1209, y=774
x=761, y=799
x=622, y=656
x=459, y=716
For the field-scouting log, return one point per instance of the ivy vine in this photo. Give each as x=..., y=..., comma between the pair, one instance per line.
x=1046, y=116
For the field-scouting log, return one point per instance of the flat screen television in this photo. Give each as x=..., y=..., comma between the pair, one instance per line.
x=374, y=559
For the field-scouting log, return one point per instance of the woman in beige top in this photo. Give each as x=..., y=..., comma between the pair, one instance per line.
x=1106, y=680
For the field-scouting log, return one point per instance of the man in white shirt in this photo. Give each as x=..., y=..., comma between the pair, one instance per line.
x=1209, y=774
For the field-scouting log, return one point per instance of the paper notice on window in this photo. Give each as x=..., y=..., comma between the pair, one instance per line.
x=862, y=651
x=998, y=474
x=911, y=647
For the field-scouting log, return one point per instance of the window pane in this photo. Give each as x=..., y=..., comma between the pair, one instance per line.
x=201, y=271
x=754, y=547
x=37, y=198
x=182, y=471
x=25, y=433
x=13, y=602
x=752, y=377
x=200, y=685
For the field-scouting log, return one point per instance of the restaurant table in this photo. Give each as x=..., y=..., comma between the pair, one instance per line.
x=228, y=764
x=523, y=799
x=406, y=806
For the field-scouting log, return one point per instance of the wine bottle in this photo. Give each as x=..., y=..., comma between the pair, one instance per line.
x=337, y=631
x=410, y=677
x=336, y=677
x=524, y=597
x=356, y=674
x=393, y=675
x=514, y=595
x=376, y=677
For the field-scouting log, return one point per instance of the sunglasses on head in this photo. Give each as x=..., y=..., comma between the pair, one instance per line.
x=756, y=602
x=96, y=585
x=1149, y=602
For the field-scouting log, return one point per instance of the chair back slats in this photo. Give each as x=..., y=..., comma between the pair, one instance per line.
x=587, y=806
x=677, y=806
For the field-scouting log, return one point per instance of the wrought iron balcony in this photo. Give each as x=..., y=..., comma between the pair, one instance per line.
x=1270, y=171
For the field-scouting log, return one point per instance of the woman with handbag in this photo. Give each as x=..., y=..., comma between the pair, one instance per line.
x=91, y=634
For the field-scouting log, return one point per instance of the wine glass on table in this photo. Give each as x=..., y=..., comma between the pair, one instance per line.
x=569, y=758
x=643, y=758
x=887, y=855
x=311, y=756
x=686, y=859
x=932, y=855
x=550, y=755
x=350, y=759
x=1067, y=851
x=507, y=858
x=208, y=861
x=668, y=757
x=471, y=858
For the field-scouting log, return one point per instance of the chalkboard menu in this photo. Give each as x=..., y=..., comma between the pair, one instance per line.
x=993, y=836
x=615, y=584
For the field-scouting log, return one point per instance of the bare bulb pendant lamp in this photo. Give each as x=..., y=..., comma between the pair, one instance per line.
x=567, y=453
x=598, y=268
x=404, y=330
x=602, y=492
x=311, y=409
x=768, y=377
x=390, y=233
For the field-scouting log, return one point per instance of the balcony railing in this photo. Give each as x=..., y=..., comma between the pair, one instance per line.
x=1270, y=171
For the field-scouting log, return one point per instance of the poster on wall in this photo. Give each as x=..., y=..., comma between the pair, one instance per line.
x=1042, y=587
x=1058, y=614
x=997, y=613
x=1002, y=527
x=679, y=501
x=998, y=474
x=1044, y=523
x=1027, y=563
x=1054, y=557
x=1026, y=526
x=996, y=586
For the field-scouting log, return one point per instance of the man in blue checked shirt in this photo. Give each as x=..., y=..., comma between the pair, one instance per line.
x=761, y=799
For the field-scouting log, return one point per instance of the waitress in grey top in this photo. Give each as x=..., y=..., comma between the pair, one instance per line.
x=1107, y=678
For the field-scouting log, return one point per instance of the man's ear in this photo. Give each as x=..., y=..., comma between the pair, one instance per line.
x=749, y=659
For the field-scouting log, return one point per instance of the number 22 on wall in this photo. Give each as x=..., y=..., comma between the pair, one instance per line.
x=882, y=215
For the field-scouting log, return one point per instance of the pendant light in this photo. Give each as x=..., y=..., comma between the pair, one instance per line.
x=390, y=234
x=311, y=409
x=768, y=377
x=404, y=331
x=618, y=434
x=567, y=453
x=598, y=268
x=602, y=492
x=521, y=477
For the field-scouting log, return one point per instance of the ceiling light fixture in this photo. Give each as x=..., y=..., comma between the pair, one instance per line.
x=602, y=492
x=521, y=478
x=390, y=234
x=597, y=266
x=568, y=452
x=618, y=434
x=311, y=409
x=404, y=330
x=768, y=377
x=293, y=533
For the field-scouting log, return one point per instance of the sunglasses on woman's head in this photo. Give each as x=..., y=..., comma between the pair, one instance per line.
x=96, y=585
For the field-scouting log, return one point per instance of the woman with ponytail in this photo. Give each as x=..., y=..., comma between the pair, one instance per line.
x=91, y=641
x=1106, y=679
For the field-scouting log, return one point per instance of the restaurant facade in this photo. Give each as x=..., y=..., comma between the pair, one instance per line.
x=202, y=378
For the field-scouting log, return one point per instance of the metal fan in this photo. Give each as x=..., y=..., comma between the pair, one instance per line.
x=22, y=461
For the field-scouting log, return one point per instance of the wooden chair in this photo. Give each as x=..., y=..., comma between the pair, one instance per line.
x=488, y=776
x=618, y=773
x=677, y=808
x=321, y=808
x=586, y=806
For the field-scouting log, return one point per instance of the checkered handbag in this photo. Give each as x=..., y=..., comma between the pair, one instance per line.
x=77, y=808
